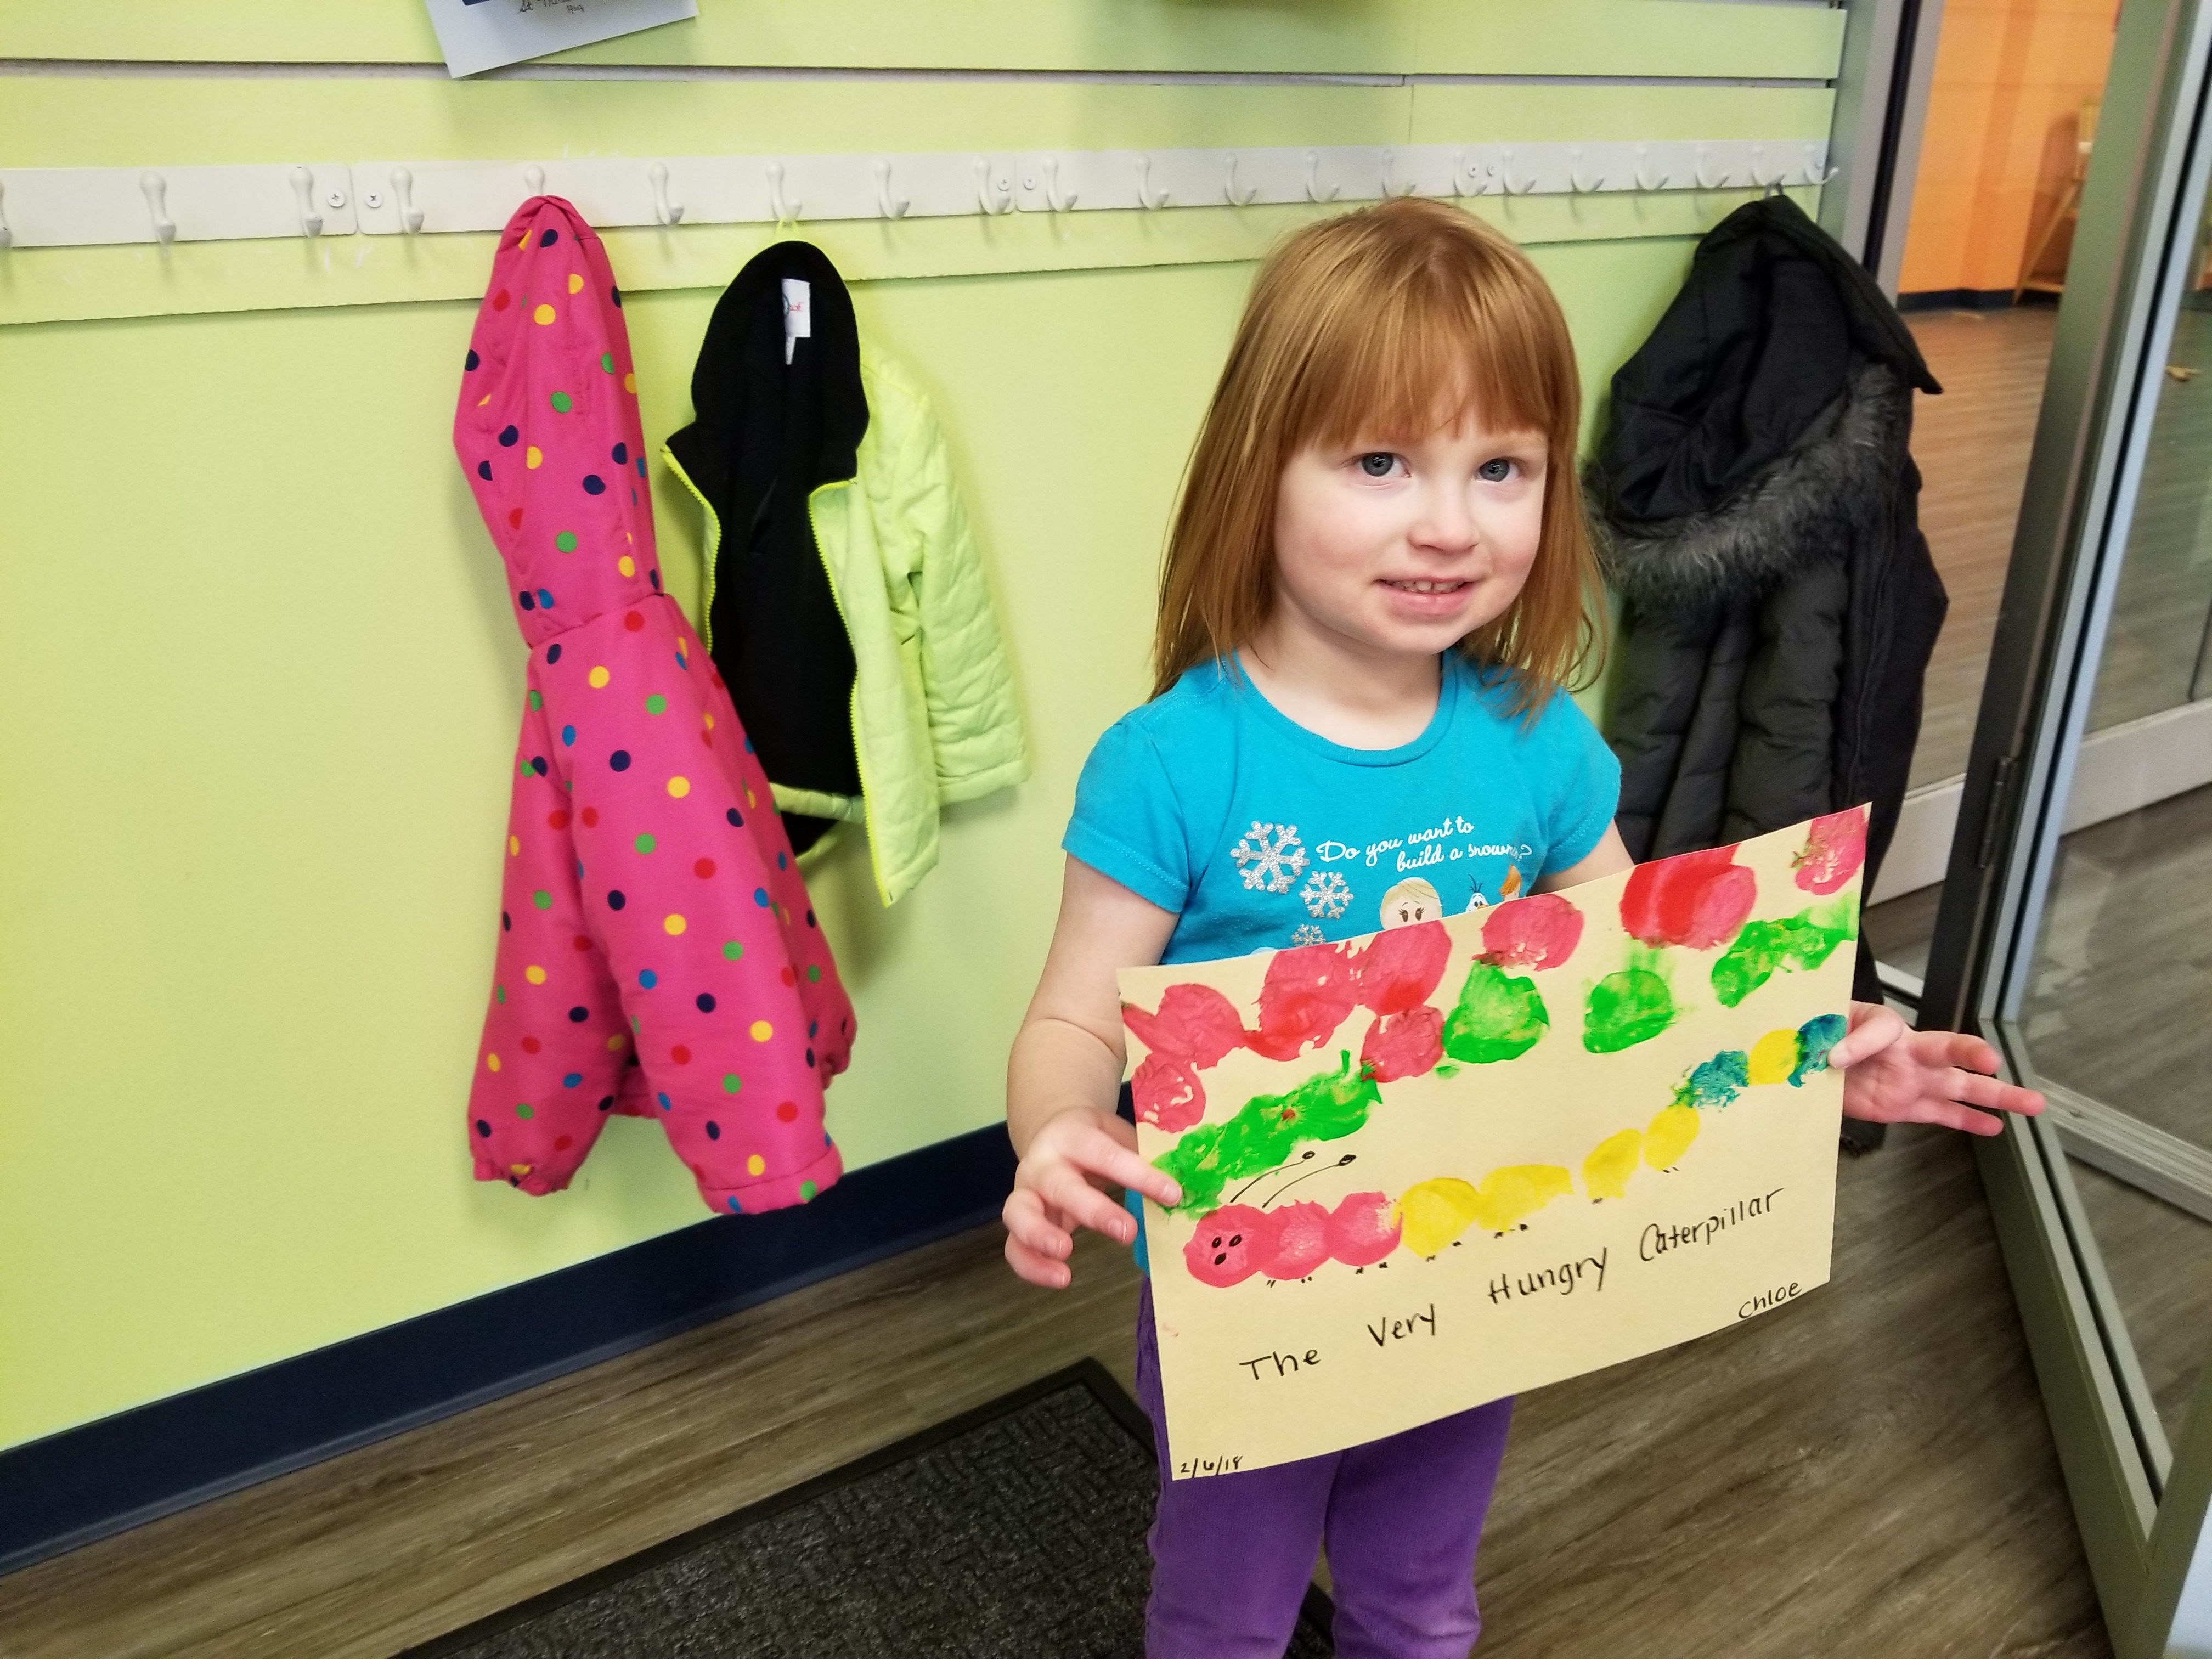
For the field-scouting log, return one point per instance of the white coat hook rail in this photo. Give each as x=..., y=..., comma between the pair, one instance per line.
x=81, y=207
x=59, y=206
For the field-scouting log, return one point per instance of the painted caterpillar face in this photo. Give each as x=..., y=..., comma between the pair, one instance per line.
x=1231, y=1245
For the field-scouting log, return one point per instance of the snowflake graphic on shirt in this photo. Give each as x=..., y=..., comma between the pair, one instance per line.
x=1327, y=893
x=1271, y=857
x=1309, y=934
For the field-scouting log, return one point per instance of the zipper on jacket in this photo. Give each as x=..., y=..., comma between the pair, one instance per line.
x=853, y=702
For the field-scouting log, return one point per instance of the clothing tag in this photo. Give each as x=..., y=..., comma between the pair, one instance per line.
x=798, y=313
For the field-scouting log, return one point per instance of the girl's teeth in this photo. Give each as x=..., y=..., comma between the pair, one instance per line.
x=1429, y=587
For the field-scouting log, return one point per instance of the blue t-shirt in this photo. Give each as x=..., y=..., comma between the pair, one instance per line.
x=1260, y=834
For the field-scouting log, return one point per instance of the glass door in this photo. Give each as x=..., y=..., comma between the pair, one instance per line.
x=2076, y=929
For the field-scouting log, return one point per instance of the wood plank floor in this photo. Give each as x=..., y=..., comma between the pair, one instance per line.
x=1972, y=446
x=1866, y=1472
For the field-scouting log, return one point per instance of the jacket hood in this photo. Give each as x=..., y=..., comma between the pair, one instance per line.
x=1805, y=509
x=757, y=418
x=547, y=426
x=1772, y=322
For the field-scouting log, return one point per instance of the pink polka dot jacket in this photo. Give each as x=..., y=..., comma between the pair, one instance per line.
x=658, y=955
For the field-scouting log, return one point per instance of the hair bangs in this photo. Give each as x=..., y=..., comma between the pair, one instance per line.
x=1446, y=343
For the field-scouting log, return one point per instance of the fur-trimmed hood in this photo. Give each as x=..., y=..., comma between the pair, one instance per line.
x=1806, y=507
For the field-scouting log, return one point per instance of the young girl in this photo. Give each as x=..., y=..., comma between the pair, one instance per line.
x=1377, y=579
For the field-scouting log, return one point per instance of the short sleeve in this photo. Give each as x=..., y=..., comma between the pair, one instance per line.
x=1585, y=778
x=1128, y=825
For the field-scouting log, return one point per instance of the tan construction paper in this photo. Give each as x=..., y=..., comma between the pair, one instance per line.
x=1457, y=1159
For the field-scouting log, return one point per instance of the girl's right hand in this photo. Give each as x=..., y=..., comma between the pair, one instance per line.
x=1057, y=1189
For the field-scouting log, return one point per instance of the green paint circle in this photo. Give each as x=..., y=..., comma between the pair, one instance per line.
x=731, y=1082
x=499, y=993
x=542, y=899
x=731, y=951
x=814, y=973
x=656, y=704
x=645, y=844
x=562, y=403
x=523, y=1110
x=537, y=699
x=806, y=1191
x=566, y=541
x=607, y=361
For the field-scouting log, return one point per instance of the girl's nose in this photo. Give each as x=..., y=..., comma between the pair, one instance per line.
x=1445, y=522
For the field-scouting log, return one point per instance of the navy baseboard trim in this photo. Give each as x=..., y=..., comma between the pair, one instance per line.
x=119, y=1471
x=1964, y=298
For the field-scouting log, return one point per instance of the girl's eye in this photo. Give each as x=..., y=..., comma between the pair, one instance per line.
x=1378, y=463
x=1495, y=472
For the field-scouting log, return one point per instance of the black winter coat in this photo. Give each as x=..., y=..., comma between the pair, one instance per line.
x=1757, y=510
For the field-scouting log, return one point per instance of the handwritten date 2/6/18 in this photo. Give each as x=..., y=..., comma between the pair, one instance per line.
x=1192, y=1468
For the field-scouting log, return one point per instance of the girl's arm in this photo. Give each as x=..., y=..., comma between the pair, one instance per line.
x=1894, y=1075
x=1065, y=1073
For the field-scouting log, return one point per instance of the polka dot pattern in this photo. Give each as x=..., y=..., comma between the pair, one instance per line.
x=673, y=984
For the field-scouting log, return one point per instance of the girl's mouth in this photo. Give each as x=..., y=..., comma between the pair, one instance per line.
x=1403, y=587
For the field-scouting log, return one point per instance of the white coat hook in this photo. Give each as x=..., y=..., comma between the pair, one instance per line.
x=1505, y=176
x=1580, y=186
x=994, y=197
x=786, y=213
x=1758, y=170
x=1814, y=173
x=1229, y=184
x=303, y=193
x=1053, y=199
x=1144, y=184
x=1314, y=191
x=1469, y=176
x=884, y=204
x=1389, y=182
x=402, y=197
x=1704, y=183
x=665, y=209
x=534, y=179
x=1643, y=180
x=7, y=236
x=156, y=191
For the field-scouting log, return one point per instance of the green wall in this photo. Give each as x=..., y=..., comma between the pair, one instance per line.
x=258, y=682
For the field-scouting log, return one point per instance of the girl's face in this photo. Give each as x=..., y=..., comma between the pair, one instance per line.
x=1403, y=549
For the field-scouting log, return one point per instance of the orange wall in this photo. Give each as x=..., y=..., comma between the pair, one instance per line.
x=2010, y=76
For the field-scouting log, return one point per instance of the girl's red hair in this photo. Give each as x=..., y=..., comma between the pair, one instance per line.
x=1383, y=326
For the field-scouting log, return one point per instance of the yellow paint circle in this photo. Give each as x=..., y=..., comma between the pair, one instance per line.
x=709, y=719
x=534, y=974
x=542, y=315
x=629, y=384
x=599, y=678
x=575, y=283
x=756, y=1165
x=513, y=846
x=492, y=1060
x=533, y=457
x=673, y=924
x=679, y=787
x=615, y=1042
x=627, y=565
x=1773, y=1057
x=761, y=1030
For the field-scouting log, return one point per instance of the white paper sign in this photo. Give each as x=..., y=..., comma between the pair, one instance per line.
x=480, y=34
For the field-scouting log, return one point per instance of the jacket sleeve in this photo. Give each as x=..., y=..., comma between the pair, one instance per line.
x=942, y=599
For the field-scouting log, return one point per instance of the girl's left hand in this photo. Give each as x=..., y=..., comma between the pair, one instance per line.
x=1892, y=1074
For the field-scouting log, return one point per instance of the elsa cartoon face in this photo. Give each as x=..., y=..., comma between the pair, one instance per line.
x=1411, y=900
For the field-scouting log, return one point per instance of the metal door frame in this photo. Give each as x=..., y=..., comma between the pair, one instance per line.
x=2140, y=1506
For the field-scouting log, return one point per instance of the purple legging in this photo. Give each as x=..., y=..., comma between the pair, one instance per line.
x=1233, y=1554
